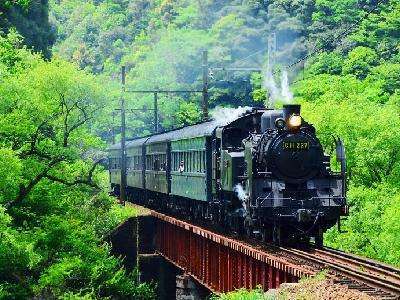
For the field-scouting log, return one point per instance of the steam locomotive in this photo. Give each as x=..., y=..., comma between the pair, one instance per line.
x=263, y=174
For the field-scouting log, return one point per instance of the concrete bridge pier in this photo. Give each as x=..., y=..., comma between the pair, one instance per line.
x=188, y=289
x=134, y=240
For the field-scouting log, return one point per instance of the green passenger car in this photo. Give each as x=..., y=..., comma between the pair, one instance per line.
x=134, y=164
x=188, y=168
x=114, y=161
x=156, y=166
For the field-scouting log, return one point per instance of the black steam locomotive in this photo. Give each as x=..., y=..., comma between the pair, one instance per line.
x=264, y=174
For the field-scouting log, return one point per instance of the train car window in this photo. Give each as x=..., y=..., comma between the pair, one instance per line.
x=181, y=166
x=163, y=162
x=128, y=163
x=149, y=162
x=204, y=161
x=156, y=164
x=193, y=154
x=196, y=160
x=180, y=159
x=200, y=161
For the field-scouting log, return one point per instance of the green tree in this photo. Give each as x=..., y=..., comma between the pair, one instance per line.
x=360, y=61
x=52, y=188
x=30, y=19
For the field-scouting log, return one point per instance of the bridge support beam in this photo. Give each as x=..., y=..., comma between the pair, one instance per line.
x=217, y=262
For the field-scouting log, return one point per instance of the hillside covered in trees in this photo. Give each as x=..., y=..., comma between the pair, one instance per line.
x=55, y=212
x=59, y=83
x=348, y=85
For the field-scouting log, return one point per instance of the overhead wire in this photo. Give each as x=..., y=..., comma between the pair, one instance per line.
x=317, y=50
x=251, y=55
x=341, y=36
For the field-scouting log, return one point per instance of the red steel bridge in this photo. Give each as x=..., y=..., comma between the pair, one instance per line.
x=224, y=264
x=220, y=263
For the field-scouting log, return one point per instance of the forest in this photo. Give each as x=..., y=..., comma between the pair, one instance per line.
x=60, y=66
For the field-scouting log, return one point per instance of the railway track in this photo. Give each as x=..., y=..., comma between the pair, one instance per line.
x=372, y=277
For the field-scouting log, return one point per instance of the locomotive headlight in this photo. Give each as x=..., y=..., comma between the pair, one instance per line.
x=280, y=123
x=294, y=122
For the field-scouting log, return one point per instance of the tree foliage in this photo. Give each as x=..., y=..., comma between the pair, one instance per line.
x=52, y=187
x=354, y=92
x=29, y=18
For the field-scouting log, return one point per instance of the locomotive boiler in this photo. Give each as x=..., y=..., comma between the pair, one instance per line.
x=264, y=174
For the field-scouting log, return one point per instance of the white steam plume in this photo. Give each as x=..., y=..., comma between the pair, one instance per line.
x=270, y=85
x=241, y=193
x=275, y=93
x=225, y=115
x=287, y=95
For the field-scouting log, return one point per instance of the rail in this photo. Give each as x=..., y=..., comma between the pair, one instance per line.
x=369, y=276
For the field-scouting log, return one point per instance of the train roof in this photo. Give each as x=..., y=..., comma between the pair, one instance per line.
x=191, y=131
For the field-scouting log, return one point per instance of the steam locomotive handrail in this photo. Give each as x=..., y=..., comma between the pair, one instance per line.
x=341, y=199
x=291, y=200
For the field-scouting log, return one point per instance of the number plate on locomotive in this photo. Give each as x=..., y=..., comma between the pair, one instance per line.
x=296, y=145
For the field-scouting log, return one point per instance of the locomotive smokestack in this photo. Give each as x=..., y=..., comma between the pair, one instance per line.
x=290, y=109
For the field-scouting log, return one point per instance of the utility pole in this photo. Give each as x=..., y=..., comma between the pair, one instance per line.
x=271, y=51
x=156, y=111
x=113, y=127
x=123, y=139
x=205, y=85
